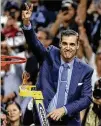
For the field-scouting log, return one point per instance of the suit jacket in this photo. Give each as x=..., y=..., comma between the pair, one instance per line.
x=80, y=92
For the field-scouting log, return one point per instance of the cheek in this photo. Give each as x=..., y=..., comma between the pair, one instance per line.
x=74, y=50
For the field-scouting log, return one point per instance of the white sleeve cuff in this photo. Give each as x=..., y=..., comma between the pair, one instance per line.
x=27, y=27
x=65, y=110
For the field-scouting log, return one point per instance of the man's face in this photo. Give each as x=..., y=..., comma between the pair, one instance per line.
x=69, y=46
x=43, y=38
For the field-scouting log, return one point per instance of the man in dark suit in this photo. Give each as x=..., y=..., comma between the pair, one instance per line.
x=64, y=80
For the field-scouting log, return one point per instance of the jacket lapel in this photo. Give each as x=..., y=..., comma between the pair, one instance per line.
x=55, y=69
x=76, y=74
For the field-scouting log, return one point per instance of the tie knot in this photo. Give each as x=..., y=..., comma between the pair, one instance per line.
x=65, y=65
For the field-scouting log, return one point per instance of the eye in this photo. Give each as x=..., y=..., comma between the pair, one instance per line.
x=72, y=44
x=14, y=110
x=64, y=43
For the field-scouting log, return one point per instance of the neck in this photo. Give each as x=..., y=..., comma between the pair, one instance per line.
x=67, y=60
x=17, y=123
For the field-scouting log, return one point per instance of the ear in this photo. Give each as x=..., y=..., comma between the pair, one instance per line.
x=60, y=44
x=78, y=46
x=20, y=113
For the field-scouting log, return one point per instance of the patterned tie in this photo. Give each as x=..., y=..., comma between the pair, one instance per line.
x=62, y=86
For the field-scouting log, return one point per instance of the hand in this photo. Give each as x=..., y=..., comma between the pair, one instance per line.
x=91, y=8
x=25, y=77
x=4, y=119
x=62, y=16
x=57, y=114
x=26, y=14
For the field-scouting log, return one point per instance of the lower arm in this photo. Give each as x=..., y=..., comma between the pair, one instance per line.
x=55, y=27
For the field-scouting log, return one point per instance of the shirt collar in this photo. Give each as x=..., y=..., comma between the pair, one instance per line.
x=70, y=64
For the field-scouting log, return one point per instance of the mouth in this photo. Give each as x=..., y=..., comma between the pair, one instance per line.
x=12, y=116
x=67, y=52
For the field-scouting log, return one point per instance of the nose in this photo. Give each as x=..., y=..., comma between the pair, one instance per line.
x=68, y=47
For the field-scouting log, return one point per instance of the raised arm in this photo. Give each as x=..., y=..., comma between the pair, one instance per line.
x=37, y=48
x=61, y=17
x=85, y=43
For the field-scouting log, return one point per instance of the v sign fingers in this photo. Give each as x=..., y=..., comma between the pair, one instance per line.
x=27, y=7
x=26, y=14
x=31, y=7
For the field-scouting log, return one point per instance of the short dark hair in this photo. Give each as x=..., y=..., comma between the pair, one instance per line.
x=69, y=32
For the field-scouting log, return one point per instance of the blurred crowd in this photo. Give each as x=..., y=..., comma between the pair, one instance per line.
x=49, y=19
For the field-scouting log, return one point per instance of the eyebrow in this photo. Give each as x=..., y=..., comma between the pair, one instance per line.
x=66, y=42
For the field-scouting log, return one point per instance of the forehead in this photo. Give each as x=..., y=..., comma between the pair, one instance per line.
x=12, y=106
x=69, y=39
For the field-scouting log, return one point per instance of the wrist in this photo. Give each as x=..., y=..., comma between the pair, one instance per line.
x=81, y=28
x=26, y=22
x=58, y=22
x=65, y=110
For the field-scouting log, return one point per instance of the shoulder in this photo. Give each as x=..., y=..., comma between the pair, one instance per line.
x=84, y=65
x=53, y=50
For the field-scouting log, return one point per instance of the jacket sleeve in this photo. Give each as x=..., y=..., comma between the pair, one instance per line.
x=85, y=98
x=36, y=46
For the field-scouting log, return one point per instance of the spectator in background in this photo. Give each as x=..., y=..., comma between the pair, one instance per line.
x=44, y=36
x=15, y=114
x=11, y=74
x=93, y=24
x=4, y=99
x=11, y=9
x=65, y=18
x=13, y=33
x=93, y=113
x=11, y=27
x=93, y=59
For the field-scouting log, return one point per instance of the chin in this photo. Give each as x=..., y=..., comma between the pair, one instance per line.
x=68, y=58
